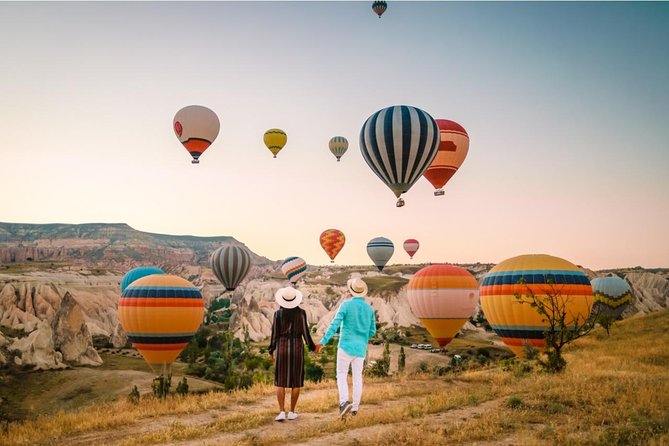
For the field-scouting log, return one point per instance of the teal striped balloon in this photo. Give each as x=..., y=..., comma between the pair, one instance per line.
x=230, y=265
x=380, y=250
x=138, y=273
x=338, y=146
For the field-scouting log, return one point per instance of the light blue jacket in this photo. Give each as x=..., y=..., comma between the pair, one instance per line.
x=356, y=320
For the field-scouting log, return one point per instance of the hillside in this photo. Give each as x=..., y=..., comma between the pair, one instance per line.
x=615, y=391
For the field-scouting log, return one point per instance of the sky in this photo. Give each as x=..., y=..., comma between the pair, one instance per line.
x=566, y=105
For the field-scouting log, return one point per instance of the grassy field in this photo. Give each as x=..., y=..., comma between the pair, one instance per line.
x=615, y=391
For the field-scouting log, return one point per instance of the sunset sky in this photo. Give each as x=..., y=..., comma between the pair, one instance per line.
x=566, y=105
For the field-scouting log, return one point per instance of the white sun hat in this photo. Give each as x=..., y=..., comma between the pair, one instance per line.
x=357, y=287
x=288, y=297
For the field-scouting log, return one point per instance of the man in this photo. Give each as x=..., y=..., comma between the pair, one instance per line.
x=356, y=322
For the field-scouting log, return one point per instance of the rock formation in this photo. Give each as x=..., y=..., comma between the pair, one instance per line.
x=71, y=336
x=37, y=350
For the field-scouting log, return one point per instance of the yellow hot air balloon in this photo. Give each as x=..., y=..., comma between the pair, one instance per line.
x=443, y=297
x=160, y=313
x=275, y=139
x=518, y=323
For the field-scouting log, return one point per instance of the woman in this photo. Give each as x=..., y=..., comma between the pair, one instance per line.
x=289, y=332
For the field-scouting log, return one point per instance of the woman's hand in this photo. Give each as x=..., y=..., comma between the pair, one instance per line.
x=319, y=347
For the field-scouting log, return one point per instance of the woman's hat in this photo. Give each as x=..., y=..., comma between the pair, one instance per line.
x=288, y=297
x=357, y=287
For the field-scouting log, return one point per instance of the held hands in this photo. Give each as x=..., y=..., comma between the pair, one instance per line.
x=319, y=347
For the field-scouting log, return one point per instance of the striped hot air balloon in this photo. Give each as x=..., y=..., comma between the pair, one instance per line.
x=399, y=143
x=160, y=313
x=294, y=268
x=230, y=265
x=452, y=152
x=411, y=246
x=379, y=7
x=338, y=146
x=138, y=273
x=196, y=127
x=332, y=241
x=612, y=295
x=443, y=297
x=275, y=140
x=518, y=323
x=380, y=250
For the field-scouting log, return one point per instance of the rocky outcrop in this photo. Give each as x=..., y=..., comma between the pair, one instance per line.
x=71, y=336
x=651, y=291
x=37, y=350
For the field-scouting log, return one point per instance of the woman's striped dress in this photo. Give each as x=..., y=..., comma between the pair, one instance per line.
x=289, y=333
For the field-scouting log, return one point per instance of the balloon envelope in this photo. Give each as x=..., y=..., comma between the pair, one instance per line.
x=399, y=143
x=338, y=146
x=611, y=296
x=275, y=140
x=332, y=241
x=443, y=297
x=160, y=313
x=196, y=127
x=411, y=246
x=230, y=265
x=380, y=250
x=518, y=323
x=453, y=149
x=294, y=268
x=138, y=273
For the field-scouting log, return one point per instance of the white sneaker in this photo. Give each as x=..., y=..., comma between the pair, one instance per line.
x=281, y=416
x=292, y=416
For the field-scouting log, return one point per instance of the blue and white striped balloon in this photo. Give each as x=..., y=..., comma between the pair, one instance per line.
x=230, y=265
x=380, y=250
x=399, y=143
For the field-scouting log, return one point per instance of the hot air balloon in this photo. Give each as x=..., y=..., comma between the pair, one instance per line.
x=453, y=149
x=443, y=297
x=338, y=146
x=230, y=265
x=332, y=241
x=399, y=143
x=411, y=246
x=294, y=268
x=160, y=313
x=380, y=250
x=611, y=296
x=196, y=127
x=518, y=323
x=138, y=273
x=379, y=7
x=275, y=139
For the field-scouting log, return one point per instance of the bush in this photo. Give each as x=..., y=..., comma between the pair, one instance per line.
x=133, y=396
x=182, y=387
x=314, y=372
x=514, y=402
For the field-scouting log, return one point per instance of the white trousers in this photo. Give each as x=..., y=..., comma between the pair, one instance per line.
x=344, y=361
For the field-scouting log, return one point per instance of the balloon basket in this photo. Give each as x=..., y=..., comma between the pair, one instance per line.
x=331, y=261
x=274, y=156
x=338, y=160
x=195, y=162
x=400, y=202
x=438, y=192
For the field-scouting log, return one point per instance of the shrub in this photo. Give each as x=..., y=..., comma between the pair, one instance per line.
x=133, y=396
x=514, y=402
x=314, y=372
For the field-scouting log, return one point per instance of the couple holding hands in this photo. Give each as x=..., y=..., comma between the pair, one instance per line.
x=355, y=322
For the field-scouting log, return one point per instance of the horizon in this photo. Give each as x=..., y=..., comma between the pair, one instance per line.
x=565, y=104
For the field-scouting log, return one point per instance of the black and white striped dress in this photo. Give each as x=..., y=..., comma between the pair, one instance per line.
x=289, y=334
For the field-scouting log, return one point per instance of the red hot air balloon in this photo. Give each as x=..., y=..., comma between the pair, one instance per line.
x=411, y=246
x=453, y=149
x=332, y=241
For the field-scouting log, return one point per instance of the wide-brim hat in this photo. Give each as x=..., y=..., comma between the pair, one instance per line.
x=288, y=297
x=357, y=287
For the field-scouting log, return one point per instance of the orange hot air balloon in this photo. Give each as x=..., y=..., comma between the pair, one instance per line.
x=518, y=323
x=332, y=241
x=196, y=127
x=452, y=152
x=160, y=313
x=443, y=297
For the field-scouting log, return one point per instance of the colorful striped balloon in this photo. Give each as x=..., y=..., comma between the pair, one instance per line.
x=196, y=127
x=443, y=297
x=380, y=250
x=332, y=241
x=160, y=313
x=338, y=146
x=138, y=273
x=294, y=268
x=275, y=140
x=518, y=323
x=452, y=152
x=379, y=7
x=230, y=265
x=612, y=296
x=399, y=143
x=411, y=246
